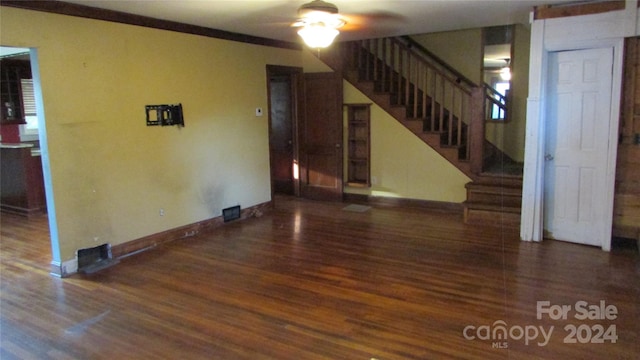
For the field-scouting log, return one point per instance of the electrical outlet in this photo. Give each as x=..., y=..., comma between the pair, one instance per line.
x=374, y=180
x=161, y=212
x=258, y=111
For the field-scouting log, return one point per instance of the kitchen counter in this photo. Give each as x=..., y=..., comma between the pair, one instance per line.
x=15, y=145
x=34, y=150
x=22, y=190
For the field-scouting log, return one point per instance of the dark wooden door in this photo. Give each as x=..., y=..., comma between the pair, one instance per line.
x=320, y=140
x=281, y=134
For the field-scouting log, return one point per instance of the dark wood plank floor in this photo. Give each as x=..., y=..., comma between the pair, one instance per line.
x=311, y=281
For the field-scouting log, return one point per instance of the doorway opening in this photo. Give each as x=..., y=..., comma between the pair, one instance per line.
x=30, y=198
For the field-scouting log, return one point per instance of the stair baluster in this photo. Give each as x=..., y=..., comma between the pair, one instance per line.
x=443, y=109
x=430, y=94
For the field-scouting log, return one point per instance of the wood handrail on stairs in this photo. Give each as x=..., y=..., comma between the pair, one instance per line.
x=425, y=94
x=437, y=61
x=428, y=90
x=495, y=106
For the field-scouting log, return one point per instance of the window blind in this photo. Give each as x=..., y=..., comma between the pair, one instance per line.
x=28, y=97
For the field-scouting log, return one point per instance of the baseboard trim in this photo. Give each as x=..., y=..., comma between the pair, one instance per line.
x=9, y=209
x=405, y=202
x=148, y=242
x=627, y=232
x=64, y=269
x=132, y=247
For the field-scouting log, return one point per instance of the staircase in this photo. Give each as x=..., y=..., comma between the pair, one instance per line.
x=425, y=97
x=494, y=201
x=440, y=106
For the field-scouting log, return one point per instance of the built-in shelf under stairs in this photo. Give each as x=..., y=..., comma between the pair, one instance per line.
x=439, y=107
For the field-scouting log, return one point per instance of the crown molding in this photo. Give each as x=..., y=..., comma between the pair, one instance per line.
x=65, y=8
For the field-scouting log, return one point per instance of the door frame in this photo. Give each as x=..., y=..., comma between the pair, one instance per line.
x=296, y=75
x=558, y=226
x=546, y=37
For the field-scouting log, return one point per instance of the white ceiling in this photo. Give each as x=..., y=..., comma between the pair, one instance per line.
x=366, y=18
x=12, y=51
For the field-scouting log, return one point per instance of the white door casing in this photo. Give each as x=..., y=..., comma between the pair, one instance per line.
x=565, y=34
x=592, y=31
x=577, y=138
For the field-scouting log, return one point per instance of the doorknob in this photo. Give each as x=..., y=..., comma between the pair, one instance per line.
x=548, y=157
x=338, y=146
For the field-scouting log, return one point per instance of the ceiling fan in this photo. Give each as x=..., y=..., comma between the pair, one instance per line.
x=319, y=21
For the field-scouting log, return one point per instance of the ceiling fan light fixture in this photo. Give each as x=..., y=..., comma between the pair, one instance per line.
x=329, y=20
x=320, y=21
x=505, y=72
x=318, y=35
x=317, y=6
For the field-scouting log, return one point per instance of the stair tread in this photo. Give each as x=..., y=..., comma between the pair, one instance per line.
x=497, y=181
x=494, y=189
x=491, y=207
x=487, y=177
x=478, y=203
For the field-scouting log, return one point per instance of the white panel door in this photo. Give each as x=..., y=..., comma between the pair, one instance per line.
x=577, y=139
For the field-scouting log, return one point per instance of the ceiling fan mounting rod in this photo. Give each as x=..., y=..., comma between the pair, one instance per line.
x=318, y=5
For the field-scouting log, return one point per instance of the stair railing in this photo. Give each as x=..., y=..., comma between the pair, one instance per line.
x=428, y=90
x=438, y=62
x=495, y=106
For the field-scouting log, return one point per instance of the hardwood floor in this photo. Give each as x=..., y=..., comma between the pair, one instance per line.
x=312, y=281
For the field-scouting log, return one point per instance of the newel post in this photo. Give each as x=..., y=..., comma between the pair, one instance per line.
x=476, y=130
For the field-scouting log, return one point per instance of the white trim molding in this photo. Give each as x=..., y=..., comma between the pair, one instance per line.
x=606, y=30
x=65, y=268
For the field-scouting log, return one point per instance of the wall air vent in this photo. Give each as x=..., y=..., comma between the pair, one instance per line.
x=231, y=213
x=94, y=259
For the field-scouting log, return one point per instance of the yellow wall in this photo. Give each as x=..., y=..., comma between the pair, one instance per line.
x=462, y=49
x=403, y=166
x=111, y=173
x=520, y=81
x=312, y=64
x=509, y=137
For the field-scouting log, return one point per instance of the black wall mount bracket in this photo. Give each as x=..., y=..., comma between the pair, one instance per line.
x=164, y=115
